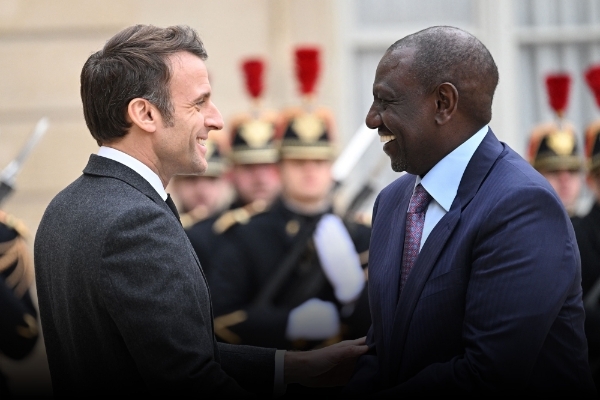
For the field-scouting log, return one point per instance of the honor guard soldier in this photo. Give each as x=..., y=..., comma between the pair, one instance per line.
x=553, y=149
x=201, y=199
x=18, y=316
x=587, y=230
x=254, y=152
x=294, y=277
x=252, y=156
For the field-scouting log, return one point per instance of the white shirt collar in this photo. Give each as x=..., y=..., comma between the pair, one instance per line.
x=136, y=165
x=442, y=181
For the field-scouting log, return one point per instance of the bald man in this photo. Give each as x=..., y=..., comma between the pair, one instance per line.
x=474, y=272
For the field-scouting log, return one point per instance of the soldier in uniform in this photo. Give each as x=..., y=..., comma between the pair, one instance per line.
x=199, y=197
x=252, y=156
x=294, y=276
x=554, y=153
x=18, y=316
x=202, y=198
x=553, y=149
x=587, y=231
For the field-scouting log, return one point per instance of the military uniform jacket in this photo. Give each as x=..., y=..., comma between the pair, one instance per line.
x=244, y=265
x=204, y=241
x=18, y=316
x=206, y=235
x=587, y=231
x=123, y=301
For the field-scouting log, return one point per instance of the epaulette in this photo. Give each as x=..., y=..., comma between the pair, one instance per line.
x=239, y=215
x=14, y=223
x=196, y=215
x=15, y=257
x=224, y=322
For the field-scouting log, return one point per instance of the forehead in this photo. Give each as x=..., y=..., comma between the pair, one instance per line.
x=188, y=70
x=394, y=67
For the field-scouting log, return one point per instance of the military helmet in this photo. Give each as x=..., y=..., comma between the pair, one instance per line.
x=308, y=131
x=553, y=145
x=592, y=133
x=553, y=148
x=253, y=133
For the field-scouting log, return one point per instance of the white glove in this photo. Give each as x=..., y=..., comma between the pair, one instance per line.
x=339, y=259
x=314, y=319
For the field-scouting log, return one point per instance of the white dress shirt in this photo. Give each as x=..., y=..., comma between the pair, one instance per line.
x=136, y=165
x=442, y=181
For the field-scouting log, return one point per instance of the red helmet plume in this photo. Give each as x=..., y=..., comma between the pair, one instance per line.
x=253, y=71
x=307, y=68
x=592, y=78
x=558, y=86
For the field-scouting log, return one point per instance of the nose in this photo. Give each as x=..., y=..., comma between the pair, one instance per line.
x=213, y=118
x=373, y=119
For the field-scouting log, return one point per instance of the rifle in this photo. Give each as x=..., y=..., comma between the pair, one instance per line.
x=9, y=173
x=341, y=169
x=352, y=193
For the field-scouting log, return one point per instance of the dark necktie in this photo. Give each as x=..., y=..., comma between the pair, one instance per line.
x=415, y=219
x=171, y=205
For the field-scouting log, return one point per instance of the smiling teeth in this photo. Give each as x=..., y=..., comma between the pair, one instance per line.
x=201, y=141
x=386, y=138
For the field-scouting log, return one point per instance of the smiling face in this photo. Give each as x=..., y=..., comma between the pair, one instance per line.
x=179, y=146
x=403, y=115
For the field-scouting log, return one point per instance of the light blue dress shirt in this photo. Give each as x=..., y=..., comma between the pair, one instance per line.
x=442, y=181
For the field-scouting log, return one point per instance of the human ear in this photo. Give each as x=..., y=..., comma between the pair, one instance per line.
x=143, y=114
x=446, y=98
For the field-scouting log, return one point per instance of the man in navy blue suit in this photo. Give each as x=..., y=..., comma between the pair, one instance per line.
x=474, y=272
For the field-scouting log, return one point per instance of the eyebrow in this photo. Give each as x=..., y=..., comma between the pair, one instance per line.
x=203, y=96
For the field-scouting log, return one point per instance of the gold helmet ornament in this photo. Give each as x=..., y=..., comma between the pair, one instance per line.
x=592, y=133
x=307, y=131
x=252, y=134
x=553, y=145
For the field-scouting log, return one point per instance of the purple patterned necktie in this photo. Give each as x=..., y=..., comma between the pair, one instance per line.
x=415, y=219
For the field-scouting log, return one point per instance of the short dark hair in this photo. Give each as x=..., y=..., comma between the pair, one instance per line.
x=449, y=54
x=133, y=64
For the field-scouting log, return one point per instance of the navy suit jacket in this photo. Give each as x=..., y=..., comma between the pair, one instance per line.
x=493, y=303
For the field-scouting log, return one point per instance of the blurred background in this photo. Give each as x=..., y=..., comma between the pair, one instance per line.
x=43, y=45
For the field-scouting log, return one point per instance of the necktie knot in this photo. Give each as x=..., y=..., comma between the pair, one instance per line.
x=419, y=200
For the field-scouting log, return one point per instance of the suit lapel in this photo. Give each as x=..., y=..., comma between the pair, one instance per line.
x=102, y=166
x=387, y=289
x=478, y=168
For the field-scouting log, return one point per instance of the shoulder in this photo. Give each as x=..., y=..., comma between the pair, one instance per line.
x=359, y=229
x=194, y=217
x=359, y=226
x=238, y=216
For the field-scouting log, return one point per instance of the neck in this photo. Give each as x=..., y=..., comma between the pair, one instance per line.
x=142, y=154
x=308, y=208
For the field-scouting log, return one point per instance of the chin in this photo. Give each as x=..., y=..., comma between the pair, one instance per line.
x=398, y=167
